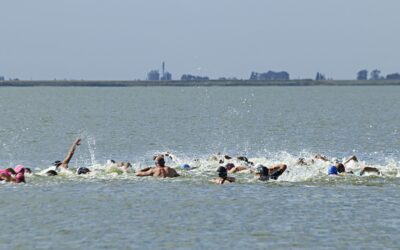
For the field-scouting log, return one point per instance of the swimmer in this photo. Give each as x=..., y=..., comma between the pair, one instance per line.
x=16, y=175
x=245, y=159
x=320, y=157
x=364, y=169
x=304, y=162
x=7, y=175
x=272, y=173
x=160, y=170
x=20, y=174
x=220, y=158
x=82, y=170
x=222, y=176
x=235, y=169
x=124, y=166
x=64, y=163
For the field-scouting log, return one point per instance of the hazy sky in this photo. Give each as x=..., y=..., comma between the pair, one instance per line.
x=124, y=39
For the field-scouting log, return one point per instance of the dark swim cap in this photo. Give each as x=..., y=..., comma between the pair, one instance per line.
x=51, y=173
x=222, y=172
x=159, y=160
x=262, y=170
x=83, y=170
x=340, y=168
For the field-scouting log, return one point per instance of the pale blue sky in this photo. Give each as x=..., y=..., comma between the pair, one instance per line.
x=123, y=39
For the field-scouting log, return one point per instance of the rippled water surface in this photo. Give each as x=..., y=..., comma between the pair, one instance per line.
x=303, y=209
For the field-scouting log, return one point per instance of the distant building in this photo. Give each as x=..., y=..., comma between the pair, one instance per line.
x=166, y=76
x=394, y=76
x=194, y=78
x=2, y=78
x=270, y=75
x=320, y=77
x=153, y=75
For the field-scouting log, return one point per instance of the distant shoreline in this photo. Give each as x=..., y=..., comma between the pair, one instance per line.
x=217, y=83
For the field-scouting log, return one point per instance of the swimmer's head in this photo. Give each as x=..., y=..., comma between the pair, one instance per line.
x=261, y=170
x=20, y=169
x=332, y=170
x=159, y=161
x=82, y=170
x=340, y=168
x=28, y=170
x=222, y=172
x=57, y=163
x=51, y=173
x=20, y=174
x=185, y=166
x=229, y=166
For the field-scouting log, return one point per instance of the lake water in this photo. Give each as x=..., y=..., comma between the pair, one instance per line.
x=304, y=209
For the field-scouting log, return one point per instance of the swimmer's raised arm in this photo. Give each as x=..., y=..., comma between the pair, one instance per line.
x=352, y=158
x=321, y=157
x=71, y=151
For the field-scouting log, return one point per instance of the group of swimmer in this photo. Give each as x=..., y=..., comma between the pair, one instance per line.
x=261, y=172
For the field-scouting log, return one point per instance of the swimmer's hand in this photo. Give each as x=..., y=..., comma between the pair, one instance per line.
x=78, y=142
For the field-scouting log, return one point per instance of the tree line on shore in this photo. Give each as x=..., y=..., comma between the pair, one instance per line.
x=362, y=75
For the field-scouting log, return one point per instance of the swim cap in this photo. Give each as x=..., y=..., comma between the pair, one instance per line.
x=51, y=173
x=262, y=170
x=340, y=168
x=159, y=160
x=229, y=166
x=20, y=169
x=332, y=170
x=185, y=166
x=222, y=172
x=83, y=170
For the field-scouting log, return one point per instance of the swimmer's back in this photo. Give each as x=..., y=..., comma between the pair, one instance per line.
x=165, y=172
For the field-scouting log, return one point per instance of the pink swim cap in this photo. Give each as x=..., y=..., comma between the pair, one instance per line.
x=20, y=169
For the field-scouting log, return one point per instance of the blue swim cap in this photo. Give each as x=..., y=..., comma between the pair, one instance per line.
x=332, y=170
x=185, y=166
